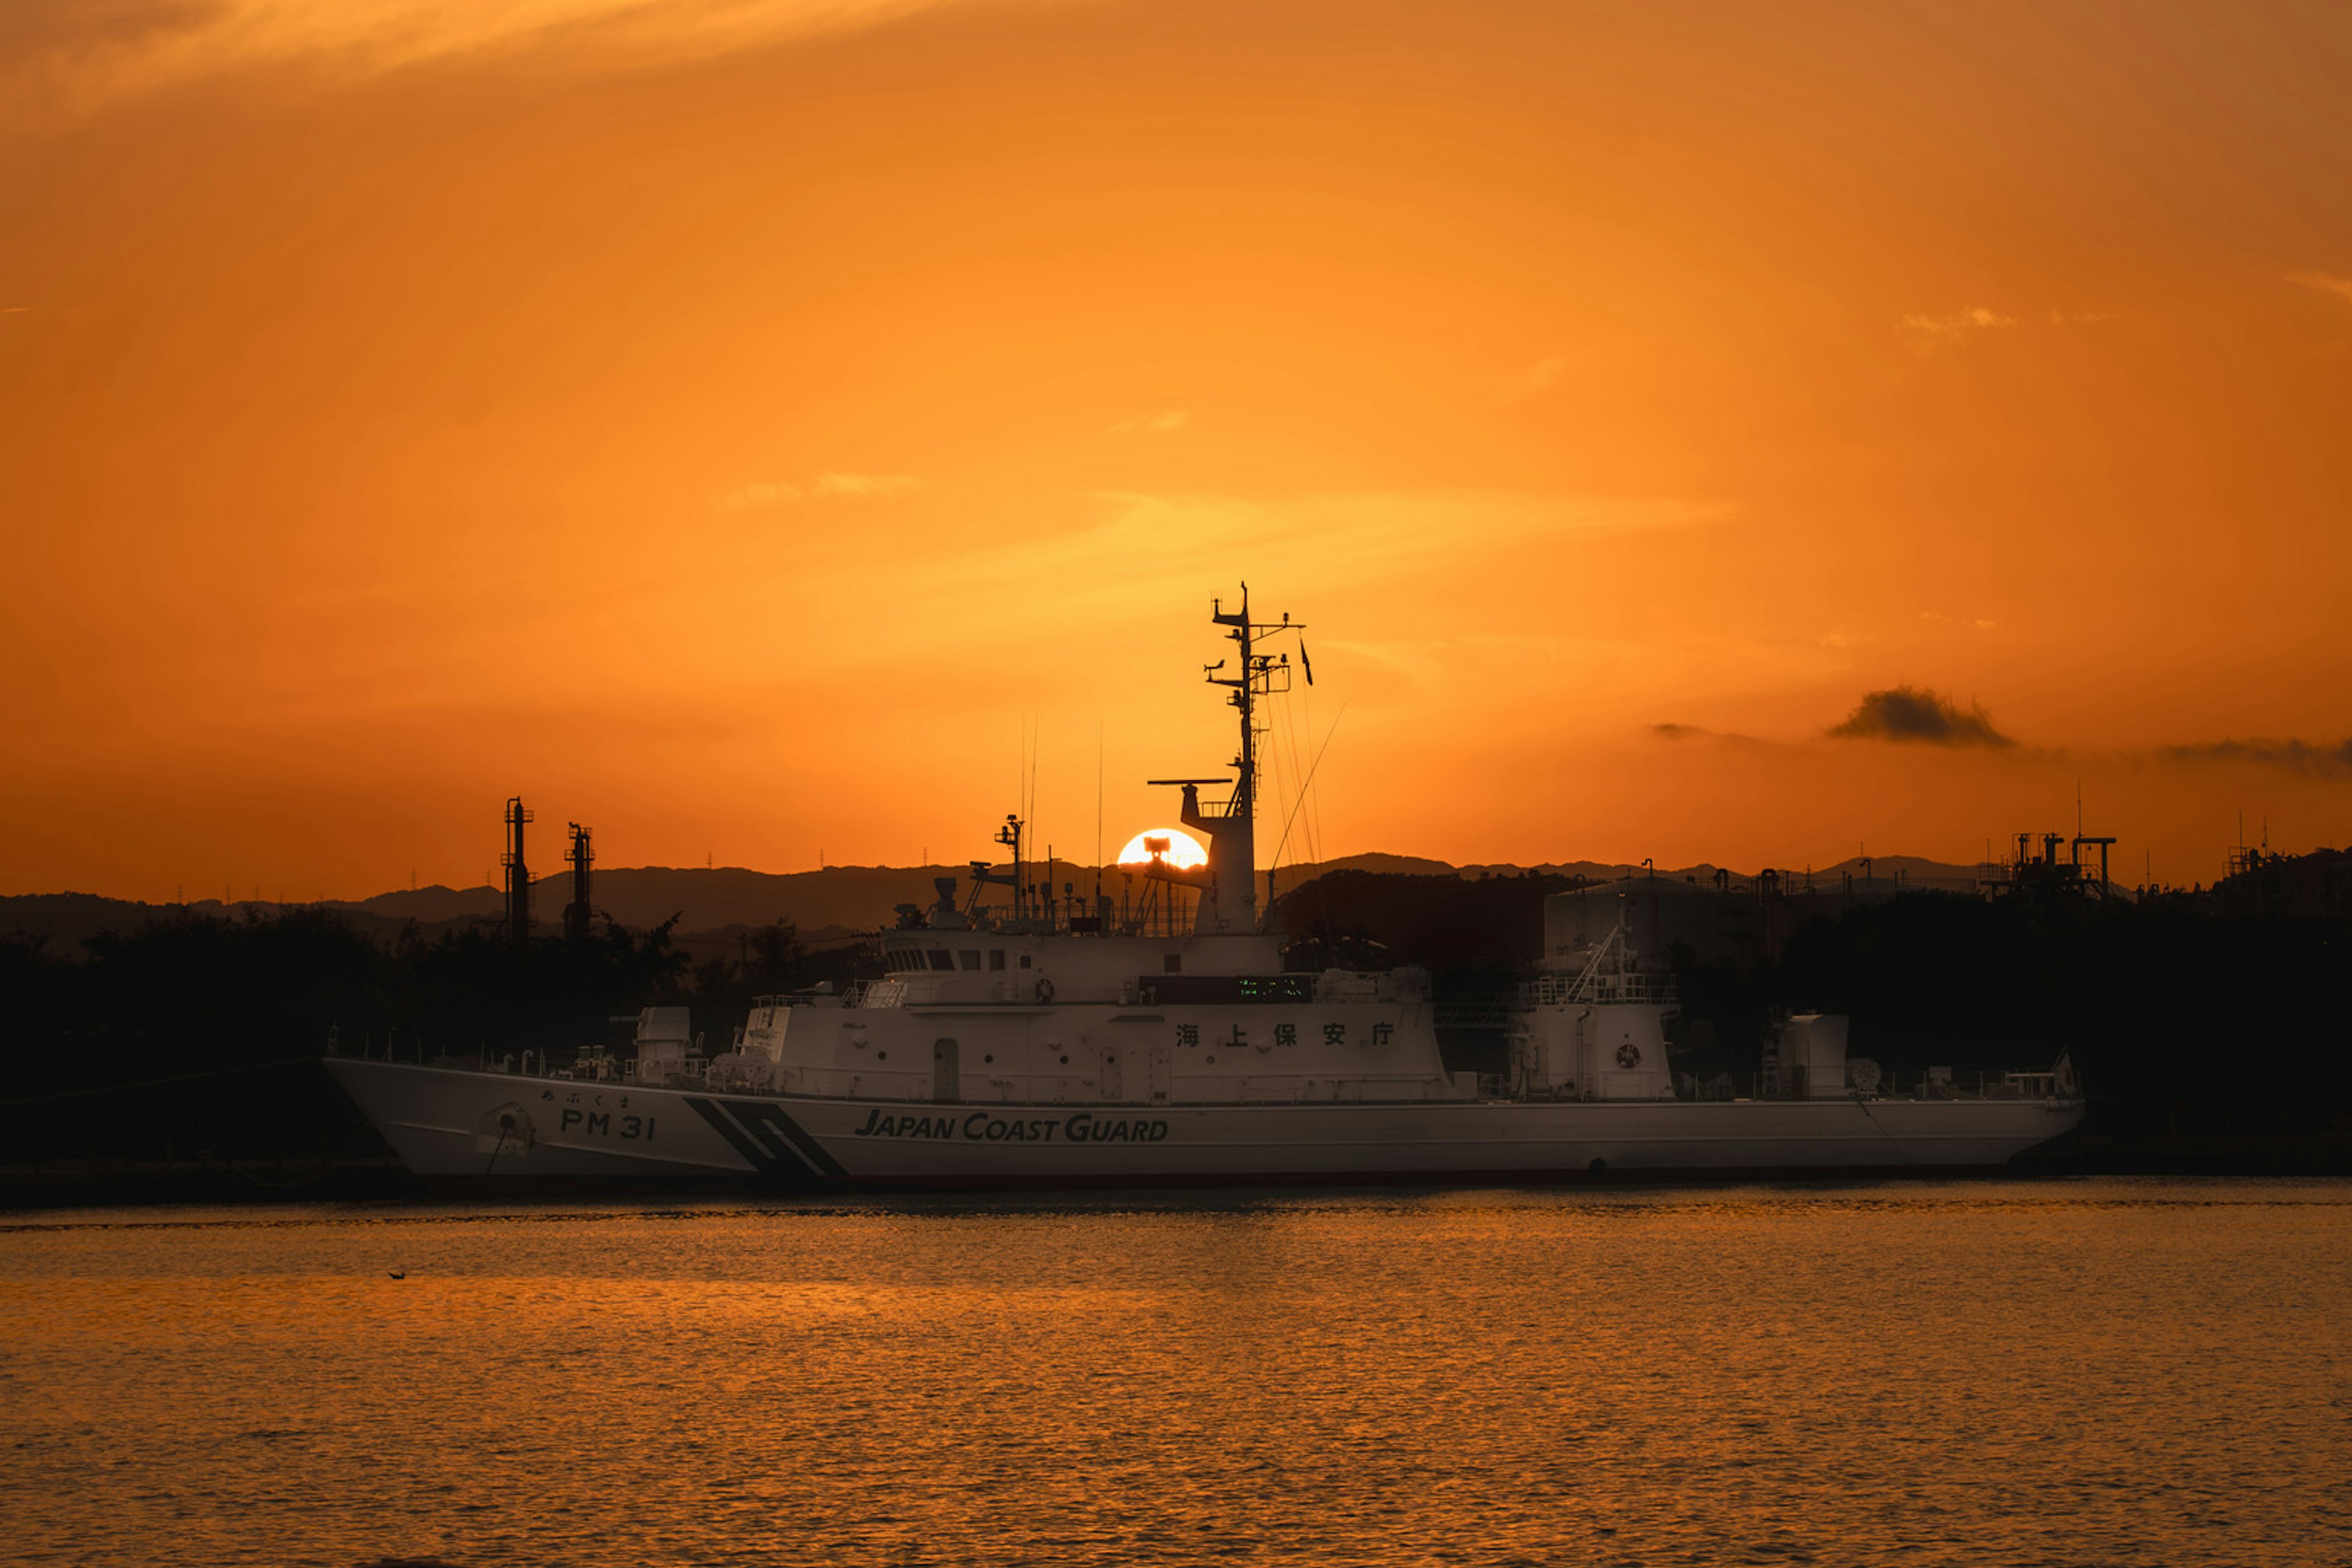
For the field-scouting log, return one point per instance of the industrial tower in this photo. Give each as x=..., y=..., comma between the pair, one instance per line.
x=575, y=913
x=518, y=874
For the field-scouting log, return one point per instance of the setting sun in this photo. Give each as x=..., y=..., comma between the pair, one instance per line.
x=621, y=563
x=318, y=576
x=1176, y=848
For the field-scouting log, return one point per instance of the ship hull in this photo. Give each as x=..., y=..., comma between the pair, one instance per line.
x=460, y=1126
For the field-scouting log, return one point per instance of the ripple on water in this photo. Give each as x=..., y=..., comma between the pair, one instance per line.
x=2049, y=1373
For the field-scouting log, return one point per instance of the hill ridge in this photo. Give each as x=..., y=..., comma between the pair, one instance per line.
x=840, y=899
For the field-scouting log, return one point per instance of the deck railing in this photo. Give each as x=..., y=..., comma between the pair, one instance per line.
x=1611, y=988
x=1935, y=1083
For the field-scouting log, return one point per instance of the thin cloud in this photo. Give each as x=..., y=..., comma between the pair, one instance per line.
x=1958, y=324
x=1337, y=540
x=1392, y=526
x=1700, y=733
x=2301, y=756
x=761, y=492
x=2328, y=282
x=1174, y=419
x=865, y=486
x=1913, y=713
x=1536, y=380
x=77, y=56
x=824, y=487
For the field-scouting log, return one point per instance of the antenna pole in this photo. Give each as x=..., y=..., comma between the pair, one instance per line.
x=1227, y=902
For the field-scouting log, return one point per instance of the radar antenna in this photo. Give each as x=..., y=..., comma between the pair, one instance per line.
x=1230, y=902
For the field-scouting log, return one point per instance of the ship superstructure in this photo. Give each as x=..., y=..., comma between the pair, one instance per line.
x=1018, y=1037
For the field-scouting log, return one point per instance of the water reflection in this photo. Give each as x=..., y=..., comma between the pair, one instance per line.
x=2053, y=1372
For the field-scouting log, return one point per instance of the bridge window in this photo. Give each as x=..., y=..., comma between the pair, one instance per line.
x=942, y=959
x=1175, y=962
x=995, y=958
x=968, y=959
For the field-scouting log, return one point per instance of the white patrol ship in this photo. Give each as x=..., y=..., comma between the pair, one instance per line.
x=1037, y=1042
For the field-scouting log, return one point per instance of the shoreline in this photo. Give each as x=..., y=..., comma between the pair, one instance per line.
x=149, y=1183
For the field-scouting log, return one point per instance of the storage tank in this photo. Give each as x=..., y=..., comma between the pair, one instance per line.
x=1812, y=1055
x=665, y=1037
x=1659, y=912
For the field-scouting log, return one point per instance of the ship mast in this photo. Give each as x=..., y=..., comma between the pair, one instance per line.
x=1229, y=895
x=1241, y=807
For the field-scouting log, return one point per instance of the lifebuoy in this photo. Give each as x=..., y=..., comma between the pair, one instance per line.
x=1629, y=1055
x=1045, y=989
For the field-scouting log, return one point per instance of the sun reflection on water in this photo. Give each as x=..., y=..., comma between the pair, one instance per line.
x=2049, y=1373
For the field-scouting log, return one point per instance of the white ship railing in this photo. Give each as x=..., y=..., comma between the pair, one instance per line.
x=1935, y=1083
x=1629, y=987
x=1607, y=978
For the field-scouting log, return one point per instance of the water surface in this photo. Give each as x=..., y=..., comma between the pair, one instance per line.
x=2061, y=1372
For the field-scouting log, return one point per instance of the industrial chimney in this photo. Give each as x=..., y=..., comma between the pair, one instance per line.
x=575, y=913
x=518, y=874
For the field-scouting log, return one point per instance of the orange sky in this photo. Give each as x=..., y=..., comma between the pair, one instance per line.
x=732, y=424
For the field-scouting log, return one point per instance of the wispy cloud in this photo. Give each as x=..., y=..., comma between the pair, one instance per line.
x=78, y=54
x=1174, y=419
x=1533, y=382
x=1337, y=540
x=759, y=493
x=824, y=487
x=2301, y=756
x=1958, y=324
x=1413, y=523
x=865, y=486
x=2327, y=282
x=1916, y=713
x=1700, y=733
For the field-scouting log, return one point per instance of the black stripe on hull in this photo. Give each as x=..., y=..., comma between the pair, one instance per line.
x=770, y=1142
x=767, y=1118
